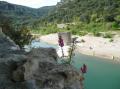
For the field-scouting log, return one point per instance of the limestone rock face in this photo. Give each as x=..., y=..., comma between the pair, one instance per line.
x=7, y=45
x=10, y=60
x=37, y=69
x=43, y=54
x=7, y=67
x=44, y=73
x=0, y=30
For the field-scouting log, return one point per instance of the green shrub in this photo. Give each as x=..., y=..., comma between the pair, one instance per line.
x=108, y=35
x=74, y=32
x=117, y=18
x=97, y=34
x=108, y=26
x=22, y=36
x=111, y=40
x=83, y=41
x=115, y=25
x=82, y=33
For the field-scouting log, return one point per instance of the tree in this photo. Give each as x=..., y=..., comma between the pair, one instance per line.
x=21, y=37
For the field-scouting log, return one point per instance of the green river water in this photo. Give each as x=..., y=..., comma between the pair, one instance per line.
x=101, y=74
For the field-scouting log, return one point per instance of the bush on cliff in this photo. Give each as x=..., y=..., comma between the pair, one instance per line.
x=21, y=36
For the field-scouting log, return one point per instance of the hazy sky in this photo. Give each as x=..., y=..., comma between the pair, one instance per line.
x=33, y=3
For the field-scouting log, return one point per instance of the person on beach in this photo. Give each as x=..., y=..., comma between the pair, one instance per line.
x=90, y=48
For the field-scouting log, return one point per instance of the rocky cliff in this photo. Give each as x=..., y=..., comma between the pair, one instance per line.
x=37, y=69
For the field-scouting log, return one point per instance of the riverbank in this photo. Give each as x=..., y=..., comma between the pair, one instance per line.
x=100, y=47
x=90, y=45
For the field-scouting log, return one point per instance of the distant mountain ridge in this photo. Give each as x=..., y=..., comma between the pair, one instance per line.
x=19, y=10
x=22, y=13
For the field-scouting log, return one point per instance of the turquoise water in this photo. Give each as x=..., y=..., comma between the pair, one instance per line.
x=37, y=44
x=101, y=74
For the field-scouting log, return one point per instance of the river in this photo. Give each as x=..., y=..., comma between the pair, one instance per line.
x=101, y=74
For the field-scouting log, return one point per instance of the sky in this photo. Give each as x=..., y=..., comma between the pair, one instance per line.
x=33, y=3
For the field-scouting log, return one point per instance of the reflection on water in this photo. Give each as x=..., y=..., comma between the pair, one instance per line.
x=102, y=74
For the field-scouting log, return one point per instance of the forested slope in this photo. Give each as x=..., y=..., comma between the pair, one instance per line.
x=88, y=15
x=86, y=10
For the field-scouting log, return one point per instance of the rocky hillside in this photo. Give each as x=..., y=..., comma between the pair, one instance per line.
x=37, y=69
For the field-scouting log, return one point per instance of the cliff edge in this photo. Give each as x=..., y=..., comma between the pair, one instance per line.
x=37, y=69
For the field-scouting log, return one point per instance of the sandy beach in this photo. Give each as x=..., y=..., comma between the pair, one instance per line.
x=95, y=46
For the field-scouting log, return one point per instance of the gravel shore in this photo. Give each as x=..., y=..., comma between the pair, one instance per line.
x=95, y=46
